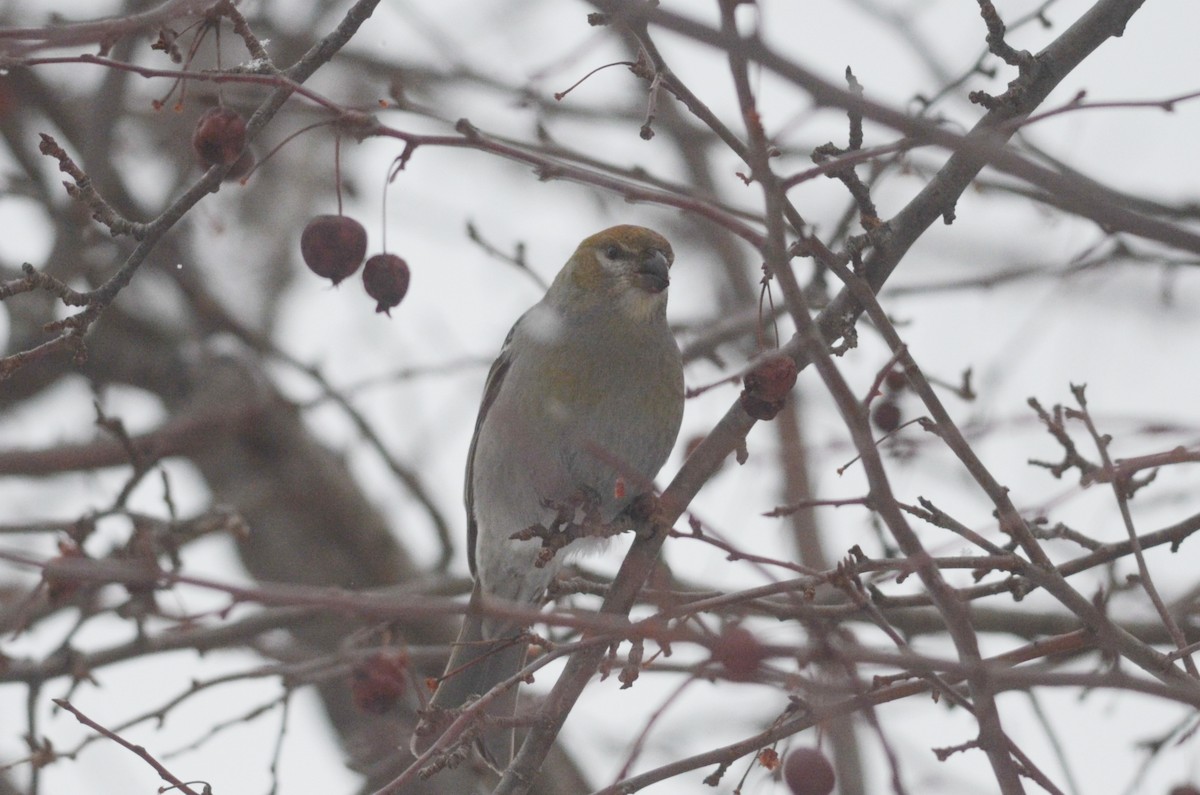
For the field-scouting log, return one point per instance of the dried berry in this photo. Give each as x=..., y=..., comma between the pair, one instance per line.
x=219, y=137
x=333, y=246
x=767, y=386
x=768, y=758
x=386, y=278
x=379, y=682
x=886, y=416
x=807, y=772
x=739, y=652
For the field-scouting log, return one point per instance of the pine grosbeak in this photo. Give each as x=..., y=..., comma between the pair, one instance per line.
x=580, y=410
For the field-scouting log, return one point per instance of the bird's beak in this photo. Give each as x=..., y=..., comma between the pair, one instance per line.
x=654, y=272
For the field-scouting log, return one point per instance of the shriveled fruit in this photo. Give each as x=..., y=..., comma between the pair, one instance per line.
x=219, y=137
x=807, y=772
x=333, y=246
x=767, y=386
x=386, y=278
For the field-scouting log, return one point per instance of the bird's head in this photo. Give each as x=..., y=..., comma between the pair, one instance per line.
x=625, y=269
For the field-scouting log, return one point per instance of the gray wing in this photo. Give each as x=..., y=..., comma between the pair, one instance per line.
x=490, y=390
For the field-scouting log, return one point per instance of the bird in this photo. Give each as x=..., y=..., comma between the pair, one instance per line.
x=579, y=412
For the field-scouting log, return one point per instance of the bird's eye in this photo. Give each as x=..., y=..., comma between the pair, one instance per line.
x=612, y=252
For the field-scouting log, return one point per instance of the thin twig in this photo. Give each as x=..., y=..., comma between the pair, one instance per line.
x=164, y=774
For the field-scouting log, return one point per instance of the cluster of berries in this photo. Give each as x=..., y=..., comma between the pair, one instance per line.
x=333, y=246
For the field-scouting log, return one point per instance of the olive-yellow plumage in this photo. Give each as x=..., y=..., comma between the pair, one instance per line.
x=585, y=399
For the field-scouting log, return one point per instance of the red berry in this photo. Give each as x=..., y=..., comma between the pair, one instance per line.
x=739, y=652
x=807, y=772
x=766, y=386
x=333, y=246
x=378, y=682
x=886, y=416
x=219, y=137
x=895, y=381
x=386, y=278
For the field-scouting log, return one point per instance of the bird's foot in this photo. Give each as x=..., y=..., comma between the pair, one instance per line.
x=579, y=518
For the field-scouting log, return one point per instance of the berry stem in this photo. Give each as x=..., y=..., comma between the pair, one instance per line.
x=383, y=204
x=337, y=169
x=284, y=142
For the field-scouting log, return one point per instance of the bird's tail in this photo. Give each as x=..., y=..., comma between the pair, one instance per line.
x=487, y=652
